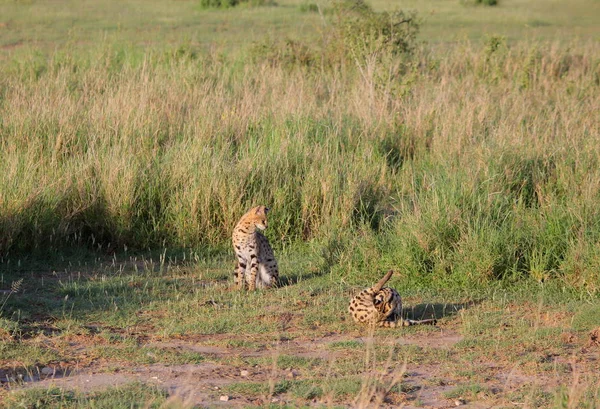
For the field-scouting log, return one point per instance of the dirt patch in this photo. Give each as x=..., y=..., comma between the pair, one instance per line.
x=11, y=46
x=423, y=385
x=439, y=339
x=430, y=383
x=443, y=339
x=202, y=383
x=192, y=384
x=304, y=349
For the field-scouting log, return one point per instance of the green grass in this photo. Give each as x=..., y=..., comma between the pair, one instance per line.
x=346, y=345
x=307, y=390
x=585, y=317
x=466, y=391
x=127, y=397
x=515, y=326
x=115, y=310
x=146, y=355
x=42, y=25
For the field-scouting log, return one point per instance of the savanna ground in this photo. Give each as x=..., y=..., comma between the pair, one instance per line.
x=459, y=147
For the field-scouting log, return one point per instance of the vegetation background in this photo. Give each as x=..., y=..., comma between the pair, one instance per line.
x=456, y=142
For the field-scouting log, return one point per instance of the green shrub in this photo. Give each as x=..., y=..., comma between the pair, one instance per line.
x=287, y=53
x=307, y=7
x=225, y=4
x=216, y=4
x=480, y=2
x=361, y=31
x=356, y=34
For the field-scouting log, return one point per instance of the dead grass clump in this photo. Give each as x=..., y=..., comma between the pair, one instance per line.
x=568, y=338
x=594, y=338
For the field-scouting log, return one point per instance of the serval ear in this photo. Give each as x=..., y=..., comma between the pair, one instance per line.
x=261, y=210
x=384, y=280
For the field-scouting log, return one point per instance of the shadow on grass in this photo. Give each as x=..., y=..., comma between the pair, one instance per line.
x=330, y=255
x=293, y=279
x=72, y=286
x=436, y=310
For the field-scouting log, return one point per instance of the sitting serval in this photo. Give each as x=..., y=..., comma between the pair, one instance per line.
x=381, y=306
x=256, y=264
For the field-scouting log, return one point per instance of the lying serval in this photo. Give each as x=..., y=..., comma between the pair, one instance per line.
x=381, y=306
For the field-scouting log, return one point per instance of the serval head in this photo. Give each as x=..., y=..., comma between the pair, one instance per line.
x=257, y=216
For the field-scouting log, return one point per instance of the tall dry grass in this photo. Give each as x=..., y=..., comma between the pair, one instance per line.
x=466, y=163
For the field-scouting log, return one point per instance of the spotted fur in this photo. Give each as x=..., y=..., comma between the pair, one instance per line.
x=256, y=263
x=381, y=306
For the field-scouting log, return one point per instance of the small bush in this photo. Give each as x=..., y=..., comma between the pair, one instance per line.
x=7, y=328
x=580, y=265
x=309, y=7
x=287, y=53
x=225, y=4
x=217, y=4
x=362, y=31
x=356, y=35
x=481, y=2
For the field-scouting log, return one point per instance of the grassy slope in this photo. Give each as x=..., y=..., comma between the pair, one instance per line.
x=500, y=180
x=47, y=25
x=515, y=19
